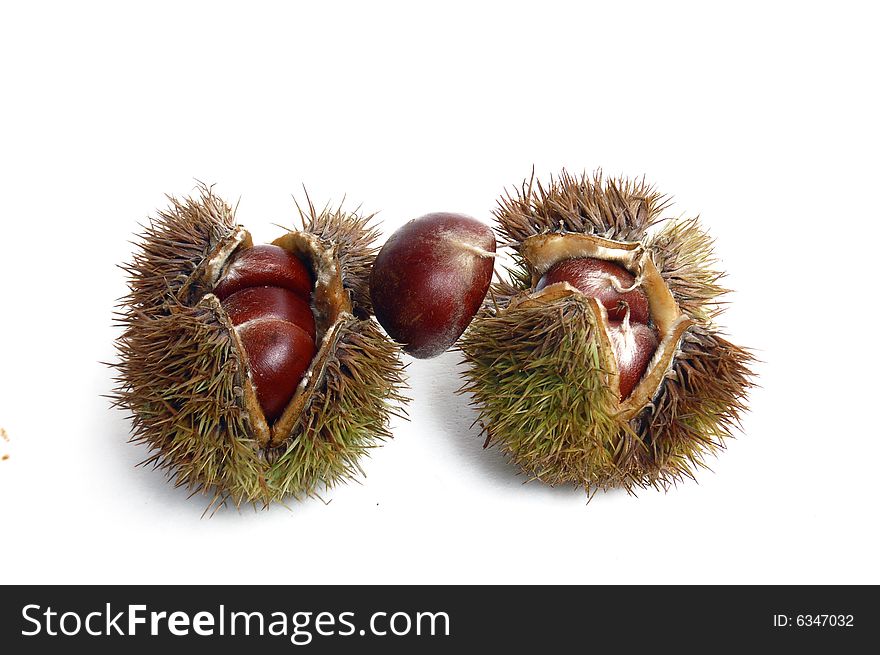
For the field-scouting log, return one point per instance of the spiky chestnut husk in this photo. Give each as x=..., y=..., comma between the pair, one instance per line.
x=183, y=375
x=540, y=367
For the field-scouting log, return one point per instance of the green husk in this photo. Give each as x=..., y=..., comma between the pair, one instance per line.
x=534, y=372
x=181, y=377
x=537, y=376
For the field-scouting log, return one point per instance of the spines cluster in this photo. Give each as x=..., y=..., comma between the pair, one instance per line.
x=171, y=248
x=612, y=208
x=540, y=387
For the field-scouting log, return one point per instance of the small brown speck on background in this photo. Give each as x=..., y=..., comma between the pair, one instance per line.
x=4, y=458
x=4, y=435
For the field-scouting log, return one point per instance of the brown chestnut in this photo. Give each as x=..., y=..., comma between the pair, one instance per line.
x=632, y=339
x=609, y=283
x=634, y=345
x=430, y=279
x=270, y=302
x=279, y=353
x=266, y=292
x=265, y=265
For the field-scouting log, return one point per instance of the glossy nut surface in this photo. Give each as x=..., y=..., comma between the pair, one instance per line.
x=430, y=279
x=266, y=291
x=601, y=280
x=270, y=302
x=265, y=265
x=279, y=354
x=634, y=345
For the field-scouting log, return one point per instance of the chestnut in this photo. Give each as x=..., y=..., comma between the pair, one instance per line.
x=609, y=283
x=265, y=265
x=265, y=292
x=429, y=280
x=279, y=353
x=270, y=302
x=632, y=338
x=634, y=345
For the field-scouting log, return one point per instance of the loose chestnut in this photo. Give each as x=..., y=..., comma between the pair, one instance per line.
x=430, y=279
x=609, y=283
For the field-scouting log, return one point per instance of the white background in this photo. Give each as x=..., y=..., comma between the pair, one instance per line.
x=762, y=117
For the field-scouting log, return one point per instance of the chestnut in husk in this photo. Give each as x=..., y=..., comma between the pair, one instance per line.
x=430, y=279
x=278, y=353
x=265, y=265
x=275, y=323
x=626, y=305
x=634, y=345
x=254, y=372
x=609, y=283
x=599, y=362
x=270, y=302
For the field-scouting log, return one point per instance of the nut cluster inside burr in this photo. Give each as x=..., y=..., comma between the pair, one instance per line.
x=266, y=291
